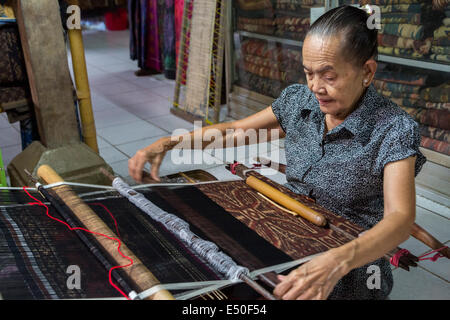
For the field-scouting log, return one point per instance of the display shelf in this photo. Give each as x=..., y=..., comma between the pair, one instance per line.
x=381, y=57
x=260, y=65
x=414, y=63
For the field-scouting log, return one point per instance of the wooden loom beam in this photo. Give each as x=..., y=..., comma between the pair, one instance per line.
x=137, y=272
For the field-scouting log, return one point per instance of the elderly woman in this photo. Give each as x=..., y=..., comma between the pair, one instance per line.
x=352, y=150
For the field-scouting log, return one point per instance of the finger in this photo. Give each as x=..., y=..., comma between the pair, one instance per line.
x=282, y=287
x=154, y=173
x=139, y=164
x=309, y=294
x=132, y=168
x=155, y=168
x=295, y=291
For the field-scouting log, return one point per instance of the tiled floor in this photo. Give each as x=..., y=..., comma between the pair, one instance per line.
x=132, y=112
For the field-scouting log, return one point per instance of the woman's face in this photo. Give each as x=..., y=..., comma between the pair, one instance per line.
x=336, y=83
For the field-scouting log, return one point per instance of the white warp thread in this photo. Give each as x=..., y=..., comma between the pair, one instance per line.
x=206, y=249
x=208, y=286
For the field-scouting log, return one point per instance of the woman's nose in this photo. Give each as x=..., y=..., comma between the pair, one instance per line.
x=316, y=85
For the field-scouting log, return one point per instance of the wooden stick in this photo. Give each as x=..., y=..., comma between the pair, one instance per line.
x=286, y=201
x=137, y=272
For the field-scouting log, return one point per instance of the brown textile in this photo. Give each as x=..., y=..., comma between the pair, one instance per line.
x=293, y=235
x=12, y=65
x=435, y=133
x=435, y=145
x=419, y=46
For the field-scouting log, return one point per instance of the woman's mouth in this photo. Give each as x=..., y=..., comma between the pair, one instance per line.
x=324, y=101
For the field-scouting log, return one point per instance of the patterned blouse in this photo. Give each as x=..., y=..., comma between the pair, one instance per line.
x=343, y=169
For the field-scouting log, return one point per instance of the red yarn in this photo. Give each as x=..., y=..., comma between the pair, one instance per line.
x=39, y=203
x=395, y=259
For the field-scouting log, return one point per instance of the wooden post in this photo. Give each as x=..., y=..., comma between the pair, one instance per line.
x=45, y=54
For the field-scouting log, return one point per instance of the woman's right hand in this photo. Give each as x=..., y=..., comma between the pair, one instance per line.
x=153, y=154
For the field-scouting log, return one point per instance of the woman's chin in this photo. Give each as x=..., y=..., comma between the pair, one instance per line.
x=327, y=108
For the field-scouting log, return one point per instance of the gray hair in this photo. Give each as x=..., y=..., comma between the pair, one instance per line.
x=359, y=42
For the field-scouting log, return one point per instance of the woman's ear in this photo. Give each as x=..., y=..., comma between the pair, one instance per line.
x=370, y=67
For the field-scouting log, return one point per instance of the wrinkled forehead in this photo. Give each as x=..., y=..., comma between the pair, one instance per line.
x=319, y=51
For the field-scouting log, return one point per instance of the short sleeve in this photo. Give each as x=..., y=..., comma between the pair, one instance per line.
x=402, y=140
x=289, y=104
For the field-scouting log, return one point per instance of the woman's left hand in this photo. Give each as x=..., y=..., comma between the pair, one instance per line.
x=313, y=280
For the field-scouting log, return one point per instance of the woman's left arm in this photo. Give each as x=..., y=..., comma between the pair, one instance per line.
x=317, y=278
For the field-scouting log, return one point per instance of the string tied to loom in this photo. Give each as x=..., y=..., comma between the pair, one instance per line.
x=395, y=259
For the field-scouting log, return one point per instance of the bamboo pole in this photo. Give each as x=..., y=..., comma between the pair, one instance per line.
x=82, y=84
x=137, y=272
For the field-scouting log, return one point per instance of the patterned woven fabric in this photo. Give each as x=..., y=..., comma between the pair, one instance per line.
x=390, y=2
x=409, y=53
x=431, y=117
x=440, y=50
x=392, y=86
x=403, y=30
x=11, y=94
x=435, y=118
x=436, y=94
x=409, y=8
x=440, y=57
x=437, y=105
x=274, y=71
x=254, y=5
x=259, y=84
x=297, y=4
x=261, y=49
x=401, y=17
x=435, y=145
x=419, y=46
x=36, y=254
x=144, y=29
x=402, y=77
x=440, y=4
x=299, y=237
x=441, y=42
x=399, y=95
x=404, y=102
x=442, y=32
x=262, y=25
x=36, y=251
x=12, y=67
x=435, y=133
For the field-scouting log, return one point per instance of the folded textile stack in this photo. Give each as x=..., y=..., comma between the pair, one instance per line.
x=270, y=62
x=255, y=16
x=257, y=25
x=292, y=27
x=440, y=49
x=261, y=17
x=13, y=78
x=293, y=5
x=429, y=105
x=414, y=29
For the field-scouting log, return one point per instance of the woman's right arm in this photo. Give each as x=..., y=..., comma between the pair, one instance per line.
x=221, y=135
